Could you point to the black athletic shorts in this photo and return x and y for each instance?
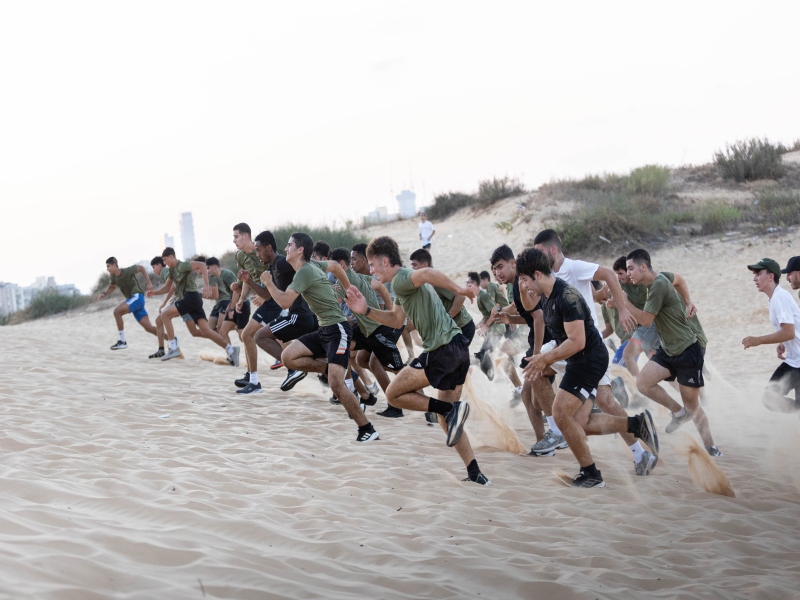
(241, 318)
(191, 304)
(787, 378)
(581, 380)
(687, 366)
(267, 312)
(446, 367)
(524, 363)
(220, 308)
(293, 326)
(383, 344)
(469, 330)
(331, 342)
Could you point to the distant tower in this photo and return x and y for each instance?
(187, 235)
(169, 241)
(407, 204)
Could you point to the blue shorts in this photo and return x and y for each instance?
(136, 306)
(617, 360)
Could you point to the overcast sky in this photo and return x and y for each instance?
(116, 117)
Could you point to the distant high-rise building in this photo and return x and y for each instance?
(187, 235)
(169, 241)
(407, 204)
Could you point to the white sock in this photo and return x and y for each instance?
(121, 336)
(553, 427)
(173, 344)
(229, 349)
(637, 451)
(254, 377)
(350, 385)
(681, 412)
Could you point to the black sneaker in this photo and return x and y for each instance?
(240, 383)
(323, 379)
(582, 480)
(333, 399)
(646, 431)
(487, 365)
(619, 392)
(714, 451)
(371, 401)
(480, 479)
(157, 354)
(455, 422)
(368, 435)
(431, 418)
(250, 388)
(292, 379)
(120, 345)
(391, 412)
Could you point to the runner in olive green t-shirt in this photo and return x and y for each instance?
(680, 355)
(125, 280)
(444, 364)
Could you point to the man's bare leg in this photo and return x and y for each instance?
(533, 410)
(647, 383)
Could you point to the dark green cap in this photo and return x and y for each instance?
(768, 264)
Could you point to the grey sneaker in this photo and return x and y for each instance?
(374, 389)
(234, 357)
(455, 422)
(516, 398)
(714, 451)
(645, 465)
(548, 445)
(120, 345)
(676, 422)
(172, 354)
(619, 392)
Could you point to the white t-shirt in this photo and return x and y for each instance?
(425, 231)
(579, 274)
(783, 309)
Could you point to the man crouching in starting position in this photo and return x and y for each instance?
(444, 364)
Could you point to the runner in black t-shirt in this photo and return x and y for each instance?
(569, 321)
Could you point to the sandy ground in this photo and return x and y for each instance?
(130, 478)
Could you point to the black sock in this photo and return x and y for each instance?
(161, 347)
(633, 424)
(367, 427)
(473, 469)
(439, 407)
(590, 470)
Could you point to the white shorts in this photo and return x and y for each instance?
(560, 367)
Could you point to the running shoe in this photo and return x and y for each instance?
(676, 422)
(323, 379)
(276, 365)
(391, 412)
(619, 392)
(374, 389)
(645, 465)
(487, 366)
(646, 431)
(714, 451)
(516, 398)
(172, 354)
(548, 445)
(333, 399)
(250, 388)
(480, 479)
(368, 435)
(455, 422)
(157, 354)
(292, 379)
(233, 359)
(582, 480)
(120, 345)
(240, 383)
(431, 418)
(371, 401)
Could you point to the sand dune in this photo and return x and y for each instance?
(126, 477)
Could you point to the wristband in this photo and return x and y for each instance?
(368, 309)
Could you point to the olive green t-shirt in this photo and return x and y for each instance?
(362, 284)
(496, 295)
(126, 281)
(252, 264)
(183, 277)
(664, 301)
(164, 274)
(446, 296)
(694, 322)
(510, 292)
(637, 294)
(312, 283)
(223, 283)
(486, 304)
(425, 309)
(611, 316)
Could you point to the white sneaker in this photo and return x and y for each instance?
(172, 354)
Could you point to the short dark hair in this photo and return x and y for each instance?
(168, 251)
(212, 262)
(422, 255)
(111, 260)
(503, 252)
(322, 249)
(304, 241)
(639, 257)
(621, 264)
(360, 249)
(473, 276)
(385, 246)
(157, 260)
(547, 237)
(531, 260)
(200, 258)
(340, 254)
(243, 228)
(265, 238)
(485, 275)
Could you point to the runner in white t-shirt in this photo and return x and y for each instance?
(426, 231)
(784, 315)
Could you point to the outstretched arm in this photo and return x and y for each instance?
(439, 279)
(683, 289)
(358, 304)
(284, 299)
(784, 334)
(143, 272)
(626, 318)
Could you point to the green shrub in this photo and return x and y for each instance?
(777, 207)
(102, 283)
(448, 203)
(718, 217)
(50, 302)
(651, 180)
(751, 159)
(494, 189)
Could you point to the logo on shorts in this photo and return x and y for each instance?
(691, 380)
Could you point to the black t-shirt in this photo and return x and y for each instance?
(283, 275)
(527, 315)
(564, 305)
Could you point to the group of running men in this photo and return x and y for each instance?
(340, 314)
